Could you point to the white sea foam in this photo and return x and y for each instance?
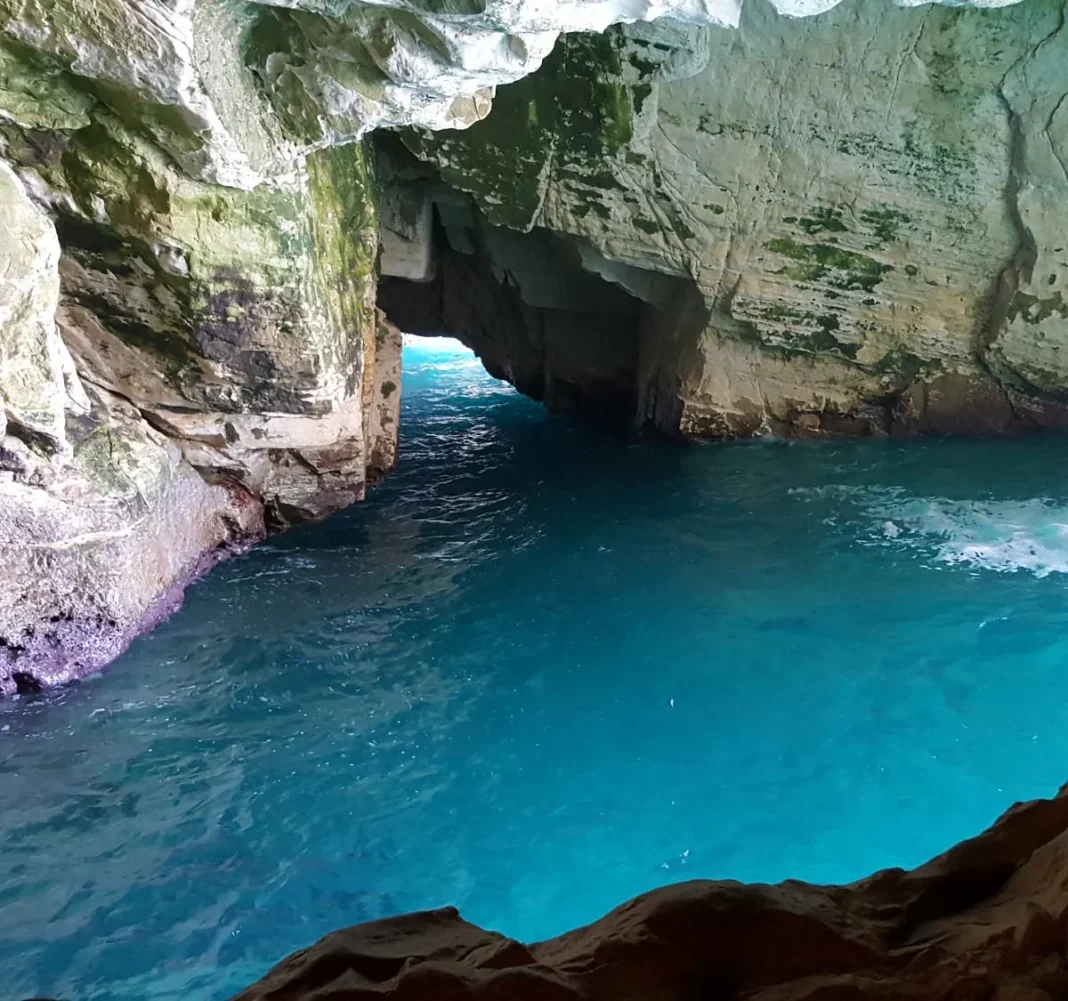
(1029, 535)
(1001, 535)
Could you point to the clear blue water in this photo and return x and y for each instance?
(541, 670)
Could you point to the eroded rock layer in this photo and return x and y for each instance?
(713, 219)
(987, 920)
(183, 364)
(852, 224)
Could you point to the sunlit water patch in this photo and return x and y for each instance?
(543, 669)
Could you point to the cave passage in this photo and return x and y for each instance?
(560, 334)
(549, 313)
(542, 669)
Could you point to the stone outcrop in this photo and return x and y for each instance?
(190, 353)
(988, 919)
(208, 367)
(714, 219)
(849, 224)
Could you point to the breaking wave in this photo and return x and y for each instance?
(1000, 535)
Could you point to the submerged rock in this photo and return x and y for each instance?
(988, 919)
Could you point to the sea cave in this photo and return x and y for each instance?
(534, 501)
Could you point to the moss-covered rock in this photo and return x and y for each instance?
(224, 329)
(861, 201)
(552, 128)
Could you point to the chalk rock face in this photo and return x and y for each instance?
(986, 920)
(97, 547)
(851, 223)
(718, 219)
(336, 68)
(235, 91)
(227, 343)
(142, 58)
(187, 355)
(100, 521)
(32, 356)
(333, 69)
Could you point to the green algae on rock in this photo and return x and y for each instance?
(859, 202)
(181, 357)
(715, 220)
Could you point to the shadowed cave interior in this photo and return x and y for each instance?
(543, 311)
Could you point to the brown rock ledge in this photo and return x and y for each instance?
(986, 920)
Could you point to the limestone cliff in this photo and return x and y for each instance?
(852, 224)
(715, 220)
(188, 352)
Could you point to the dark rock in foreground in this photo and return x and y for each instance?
(986, 920)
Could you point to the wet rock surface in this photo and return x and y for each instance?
(988, 919)
(183, 366)
(796, 218)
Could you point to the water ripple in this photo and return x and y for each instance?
(542, 669)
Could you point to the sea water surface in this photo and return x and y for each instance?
(542, 669)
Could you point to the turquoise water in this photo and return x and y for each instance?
(543, 669)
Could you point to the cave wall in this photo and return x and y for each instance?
(205, 364)
(715, 220)
(871, 206)
(187, 358)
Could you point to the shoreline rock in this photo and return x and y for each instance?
(87, 579)
(718, 220)
(850, 224)
(986, 920)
